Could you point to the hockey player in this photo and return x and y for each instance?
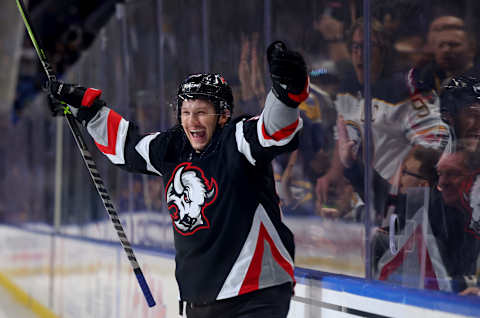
(234, 256)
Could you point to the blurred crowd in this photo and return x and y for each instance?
(64, 29)
(409, 71)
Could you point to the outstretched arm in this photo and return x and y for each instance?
(117, 138)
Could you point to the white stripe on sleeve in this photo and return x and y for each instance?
(242, 144)
(143, 148)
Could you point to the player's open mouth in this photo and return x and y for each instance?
(197, 134)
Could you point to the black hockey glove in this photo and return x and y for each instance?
(289, 74)
(86, 101)
(57, 108)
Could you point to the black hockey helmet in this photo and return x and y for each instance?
(460, 92)
(212, 87)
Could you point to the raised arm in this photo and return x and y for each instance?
(280, 118)
(262, 138)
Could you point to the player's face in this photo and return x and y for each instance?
(468, 126)
(452, 171)
(199, 121)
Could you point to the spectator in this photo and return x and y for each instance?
(402, 115)
(297, 173)
(319, 106)
(453, 209)
(343, 203)
(452, 170)
(439, 24)
(295, 189)
(451, 257)
(453, 50)
(252, 87)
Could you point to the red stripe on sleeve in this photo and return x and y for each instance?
(282, 133)
(90, 95)
(113, 122)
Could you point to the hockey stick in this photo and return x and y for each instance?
(90, 164)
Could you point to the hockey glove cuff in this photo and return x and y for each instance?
(289, 74)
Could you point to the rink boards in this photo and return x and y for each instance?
(67, 276)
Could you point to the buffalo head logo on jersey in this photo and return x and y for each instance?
(188, 193)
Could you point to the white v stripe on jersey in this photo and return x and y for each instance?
(238, 274)
(143, 149)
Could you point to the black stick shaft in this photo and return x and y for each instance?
(90, 164)
(108, 204)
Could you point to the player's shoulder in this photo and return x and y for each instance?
(232, 125)
(239, 125)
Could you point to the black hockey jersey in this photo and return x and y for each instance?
(229, 236)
